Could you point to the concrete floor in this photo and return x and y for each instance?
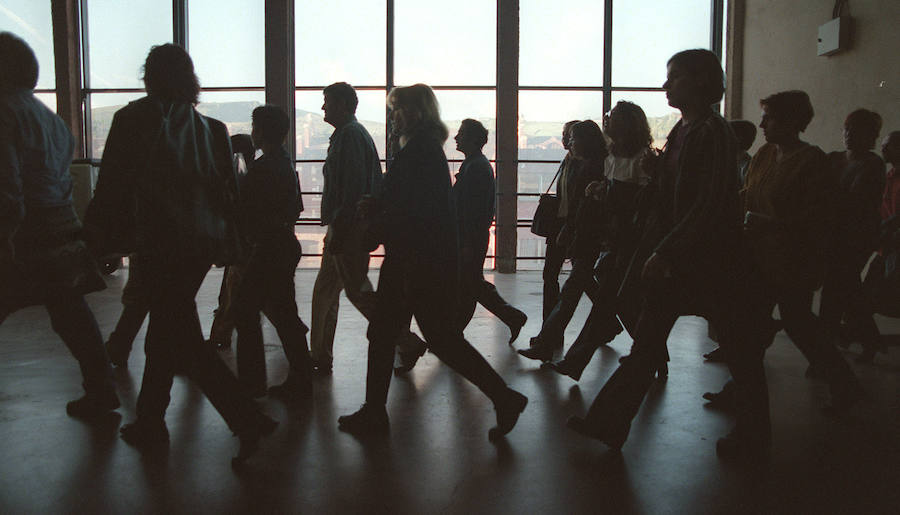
(437, 458)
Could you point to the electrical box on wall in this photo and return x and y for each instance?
(834, 36)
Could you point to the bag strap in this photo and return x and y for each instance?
(554, 179)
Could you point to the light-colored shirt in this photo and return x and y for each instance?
(625, 169)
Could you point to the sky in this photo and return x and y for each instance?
(435, 42)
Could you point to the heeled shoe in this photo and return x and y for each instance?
(613, 439)
(249, 439)
(508, 412)
(539, 350)
(93, 405)
(516, 326)
(563, 367)
(368, 420)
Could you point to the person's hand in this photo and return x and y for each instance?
(656, 268)
(594, 189)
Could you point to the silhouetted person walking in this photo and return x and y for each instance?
(270, 204)
(414, 220)
(43, 259)
(474, 196)
(167, 190)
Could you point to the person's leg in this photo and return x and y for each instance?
(248, 302)
(74, 322)
(487, 295)
(468, 296)
(121, 339)
(554, 257)
(325, 302)
(600, 328)
(223, 323)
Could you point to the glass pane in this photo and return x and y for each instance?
(542, 115)
(450, 45)
(103, 107)
(535, 178)
(340, 40)
(30, 20)
(311, 242)
(227, 42)
(530, 245)
(660, 116)
(121, 34)
(547, 57)
(640, 61)
(313, 132)
(458, 105)
(233, 108)
(49, 99)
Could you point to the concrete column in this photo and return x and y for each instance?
(280, 62)
(507, 133)
(67, 53)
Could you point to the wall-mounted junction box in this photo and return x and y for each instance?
(834, 36)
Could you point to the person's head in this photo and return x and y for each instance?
(694, 78)
(745, 132)
(340, 103)
(20, 67)
(861, 129)
(890, 148)
(415, 109)
(567, 133)
(471, 137)
(587, 141)
(628, 129)
(270, 126)
(169, 74)
(785, 115)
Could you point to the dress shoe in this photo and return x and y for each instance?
(539, 349)
(93, 405)
(564, 367)
(321, 368)
(516, 325)
(716, 356)
(725, 400)
(369, 420)
(508, 411)
(118, 355)
(409, 359)
(613, 439)
(295, 388)
(144, 434)
(250, 439)
(219, 343)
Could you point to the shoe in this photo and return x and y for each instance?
(716, 356)
(369, 420)
(725, 400)
(508, 412)
(117, 356)
(408, 360)
(516, 326)
(250, 439)
(662, 371)
(321, 368)
(613, 440)
(539, 350)
(563, 367)
(145, 434)
(294, 388)
(734, 447)
(93, 405)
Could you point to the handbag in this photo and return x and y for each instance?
(546, 220)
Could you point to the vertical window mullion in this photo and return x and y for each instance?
(607, 54)
(180, 23)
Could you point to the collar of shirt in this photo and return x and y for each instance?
(341, 128)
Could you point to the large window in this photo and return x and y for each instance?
(30, 20)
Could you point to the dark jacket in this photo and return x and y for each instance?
(415, 219)
(270, 196)
(473, 197)
(861, 187)
(167, 188)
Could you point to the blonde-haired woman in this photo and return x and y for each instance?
(414, 220)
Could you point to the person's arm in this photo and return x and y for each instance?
(352, 177)
(12, 201)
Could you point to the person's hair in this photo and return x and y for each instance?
(243, 144)
(477, 131)
(790, 107)
(169, 74)
(869, 122)
(20, 67)
(628, 130)
(343, 92)
(589, 133)
(419, 98)
(271, 123)
(706, 67)
(745, 131)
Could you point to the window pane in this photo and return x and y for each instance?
(49, 99)
(313, 132)
(530, 245)
(660, 116)
(227, 42)
(440, 44)
(121, 34)
(458, 105)
(30, 20)
(233, 108)
(535, 178)
(103, 107)
(639, 59)
(340, 40)
(547, 57)
(542, 115)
